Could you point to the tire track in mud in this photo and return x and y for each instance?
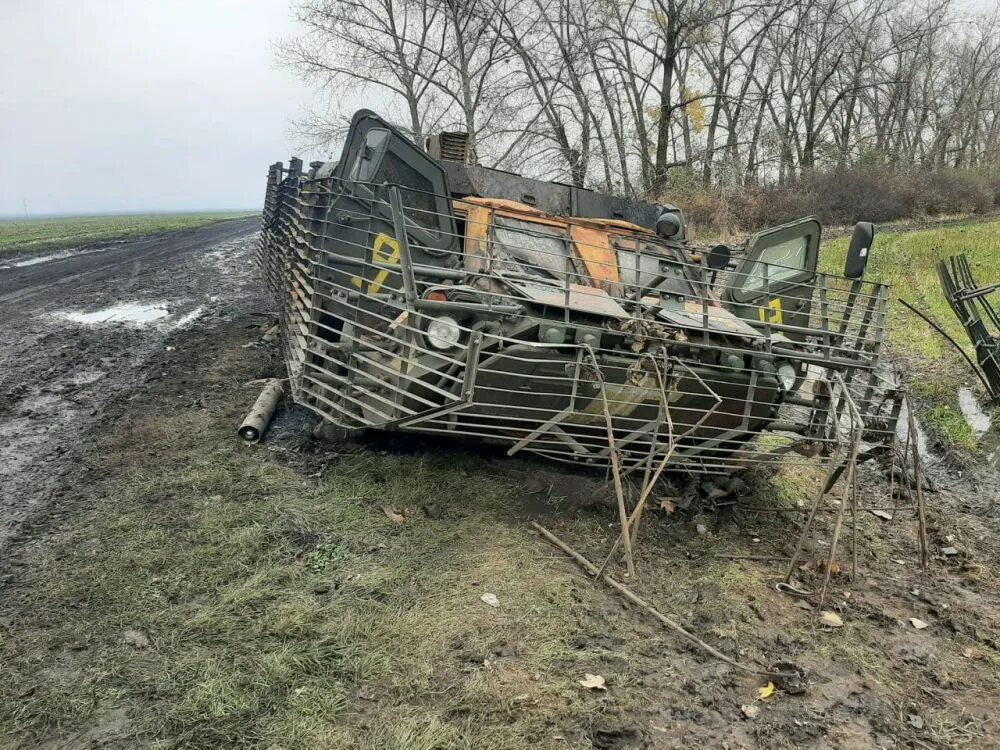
(79, 333)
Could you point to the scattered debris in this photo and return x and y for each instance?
(667, 505)
(918, 623)
(272, 333)
(393, 514)
(490, 599)
(593, 570)
(793, 680)
(750, 711)
(915, 721)
(949, 551)
(831, 619)
(765, 692)
(593, 682)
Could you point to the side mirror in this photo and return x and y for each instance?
(719, 257)
(860, 250)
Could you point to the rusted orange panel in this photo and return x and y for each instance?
(503, 203)
(477, 228)
(594, 247)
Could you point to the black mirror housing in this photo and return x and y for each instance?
(719, 257)
(860, 250)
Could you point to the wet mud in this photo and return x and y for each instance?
(78, 333)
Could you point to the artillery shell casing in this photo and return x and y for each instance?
(255, 423)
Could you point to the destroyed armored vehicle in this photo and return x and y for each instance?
(422, 293)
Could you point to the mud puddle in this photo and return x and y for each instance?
(34, 260)
(127, 312)
(137, 314)
(927, 454)
(72, 352)
(978, 420)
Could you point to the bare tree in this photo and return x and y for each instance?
(393, 46)
(638, 96)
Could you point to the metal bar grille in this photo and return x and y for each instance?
(971, 304)
(392, 322)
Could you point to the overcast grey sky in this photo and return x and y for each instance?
(132, 105)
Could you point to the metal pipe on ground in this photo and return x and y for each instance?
(256, 422)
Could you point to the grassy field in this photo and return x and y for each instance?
(31, 235)
(930, 365)
(287, 612)
(216, 595)
(208, 594)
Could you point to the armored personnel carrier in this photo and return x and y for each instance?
(422, 293)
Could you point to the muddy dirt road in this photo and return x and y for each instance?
(78, 331)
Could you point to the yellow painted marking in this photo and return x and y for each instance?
(775, 317)
(385, 249)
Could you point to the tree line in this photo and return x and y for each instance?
(633, 95)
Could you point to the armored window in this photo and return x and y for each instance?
(416, 190)
(523, 247)
(370, 155)
(778, 264)
(652, 268)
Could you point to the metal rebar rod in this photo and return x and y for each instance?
(590, 568)
(936, 327)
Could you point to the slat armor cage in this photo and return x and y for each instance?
(569, 337)
(970, 301)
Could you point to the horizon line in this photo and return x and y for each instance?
(17, 215)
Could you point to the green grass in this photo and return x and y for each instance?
(31, 235)
(288, 611)
(930, 365)
(279, 609)
(952, 424)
